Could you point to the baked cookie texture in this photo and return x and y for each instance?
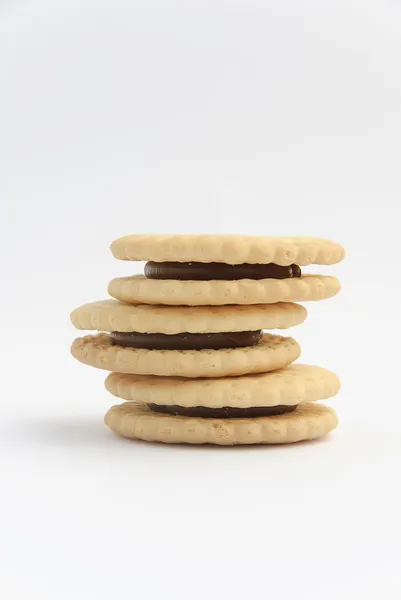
(111, 315)
(271, 352)
(231, 249)
(135, 420)
(291, 385)
(261, 375)
(216, 293)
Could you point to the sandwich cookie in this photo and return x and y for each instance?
(224, 269)
(186, 341)
(230, 410)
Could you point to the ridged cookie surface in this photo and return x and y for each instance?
(231, 249)
(272, 352)
(111, 315)
(291, 385)
(135, 420)
(216, 293)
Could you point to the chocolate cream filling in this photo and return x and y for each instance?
(186, 341)
(197, 271)
(226, 412)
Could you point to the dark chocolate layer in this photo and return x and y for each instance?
(226, 412)
(207, 271)
(186, 341)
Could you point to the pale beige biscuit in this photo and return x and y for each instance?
(231, 249)
(291, 385)
(272, 352)
(111, 315)
(243, 291)
(135, 420)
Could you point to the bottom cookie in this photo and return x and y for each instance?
(135, 420)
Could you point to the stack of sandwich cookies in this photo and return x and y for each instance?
(189, 354)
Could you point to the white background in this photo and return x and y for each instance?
(268, 117)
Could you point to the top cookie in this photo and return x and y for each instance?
(230, 249)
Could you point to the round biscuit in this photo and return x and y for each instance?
(231, 249)
(112, 315)
(291, 385)
(216, 293)
(135, 420)
(272, 352)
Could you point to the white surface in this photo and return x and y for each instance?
(251, 117)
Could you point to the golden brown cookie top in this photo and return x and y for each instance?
(289, 386)
(228, 248)
(112, 315)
